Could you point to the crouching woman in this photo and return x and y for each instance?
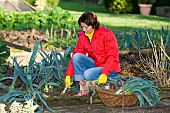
(96, 55)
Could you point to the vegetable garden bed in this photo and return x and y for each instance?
(67, 102)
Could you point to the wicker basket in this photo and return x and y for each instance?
(109, 98)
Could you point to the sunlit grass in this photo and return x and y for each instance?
(117, 22)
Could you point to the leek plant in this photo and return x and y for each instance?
(35, 76)
(137, 39)
(146, 91)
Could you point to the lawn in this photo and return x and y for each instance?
(116, 22)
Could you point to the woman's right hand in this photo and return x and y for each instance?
(67, 81)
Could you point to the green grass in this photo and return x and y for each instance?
(80, 7)
(116, 22)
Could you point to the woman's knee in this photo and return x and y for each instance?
(87, 75)
(76, 56)
(90, 75)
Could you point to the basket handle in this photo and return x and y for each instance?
(122, 83)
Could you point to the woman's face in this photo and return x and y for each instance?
(87, 29)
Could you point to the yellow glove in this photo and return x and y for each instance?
(102, 79)
(67, 81)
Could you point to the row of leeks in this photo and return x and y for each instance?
(145, 90)
(35, 76)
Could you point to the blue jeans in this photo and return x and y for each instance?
(85, 68)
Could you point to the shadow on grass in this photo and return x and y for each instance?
(82, 7)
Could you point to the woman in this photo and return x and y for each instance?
(96, 55)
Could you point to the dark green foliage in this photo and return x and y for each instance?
(162, 3)
(135, 7)
(146, 1)
(4, 54)
(106, 3)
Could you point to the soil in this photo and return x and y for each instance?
(21, 39)
(68, 103)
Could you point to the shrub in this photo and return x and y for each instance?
(118, 6)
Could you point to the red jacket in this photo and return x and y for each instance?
(103, 49)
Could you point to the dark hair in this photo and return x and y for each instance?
(89, 18)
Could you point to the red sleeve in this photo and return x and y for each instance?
(78, 49)
(111, 47)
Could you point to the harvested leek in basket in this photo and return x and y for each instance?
(145, 90)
